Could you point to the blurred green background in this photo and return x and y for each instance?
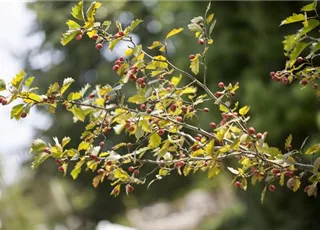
(247, 46)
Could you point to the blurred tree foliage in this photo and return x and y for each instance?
(247, 47)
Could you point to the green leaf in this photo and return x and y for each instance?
(244, 110)
(78, 113)
(288, 142)
(316, 165)
(134, 24)
(68, 36)
(77, 169)
(263, 194)
(29, 81)
(113, 43)
(83, 146)
(74, 96)
(2, 85)
(189, 90)
(154, 141)
(16, 111)
(73, 25)
(176, 80)
(77, 11)
(137, 99)
(39, 159)
(34, 97)
(310, 7)
(293, 18)
(212, 27)
(155, 44)
(121, 174)
(16, 81)
(37, 146)
(223, 108)
(313, 149)
(65, 141)
(66, 83)
(174, 32)
(209, 148)
(209, 18)
(194, 66)
(92, 10)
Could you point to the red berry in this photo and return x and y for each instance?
(131, 77)
(91, 95)
(127, 125)
(129, 145)
(213, 125)
(23, 115)
(1, 98)
(134, 71)
(107, 129)
(233, 94)
(109, 163)
(304, 82)
(99, 46)
(95, 37)
(140, 80)
(200, 41)
(131, 169)
(173, 107)
(275, 171)
(101, 144)
(4, 102)
(121, 33)
(272, 188)
(315, 86)
(254, 170)
(58, 161)
(300, 59)
(218, 94)
(131, 129)
(191, 56)
(284, 80)
(272, 74)
(251, 130)
(259, 135)
(115, 67)
(100, 171)
(221, 85)
(195, 147)
(143, 107)
(116, 36)
(179, 164)
(198, 138)
(121, 59)
(136, 172)
(117, 62)
(205, 110)
(289, 174)
(130, 188)
(149, 111)
(161, 132)
(61, 169)
(79, 37)
(238, 184)
(179, 118)
(143, 85)
(278, 174)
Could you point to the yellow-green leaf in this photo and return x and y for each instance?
(16, 81)
(154, 141)
(176, 80)
(137, 99)
(244, 110)
(293, 18)
(16, 111)
(155, 44)
(174, 32)
(28, 82)
(209, 18)
(121, 174)
(310, 7)
(78, 113)
(194, 66)
(313, 149)
(77, 11)
(2, 85)
(92, 10)
(223, 108)
(83, 146)
(73, 25)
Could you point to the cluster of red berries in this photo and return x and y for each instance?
(132, 73)
(143, 107)
(128, 126)
(118, 63)
(140, 81)
(136, 172)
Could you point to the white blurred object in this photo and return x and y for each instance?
(106, 225)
